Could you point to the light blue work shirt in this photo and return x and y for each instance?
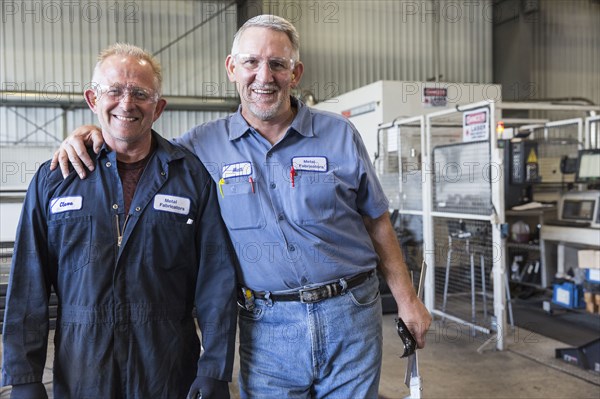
(292, 232)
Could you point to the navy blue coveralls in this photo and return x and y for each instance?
(125, 327)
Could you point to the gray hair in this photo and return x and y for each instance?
(135, 52)
(270, 22)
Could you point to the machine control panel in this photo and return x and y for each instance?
(580, 207)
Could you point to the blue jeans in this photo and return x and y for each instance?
(329, 349)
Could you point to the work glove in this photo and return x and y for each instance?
(34, 390)
(209, 388)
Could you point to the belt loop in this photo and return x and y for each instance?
(344, 285)
(268, 299)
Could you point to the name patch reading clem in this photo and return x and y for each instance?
(63, 204)
(171, 203)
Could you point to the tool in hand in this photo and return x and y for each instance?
(409, 342)
(412, 378)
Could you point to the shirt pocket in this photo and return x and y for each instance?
(241, 205)
(70, 239)
(313, 197)
(169, 242)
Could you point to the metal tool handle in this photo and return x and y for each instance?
(409, 342)
(422, 280)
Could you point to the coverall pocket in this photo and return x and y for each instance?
(313, 198)
(169, 244)
(71, 240)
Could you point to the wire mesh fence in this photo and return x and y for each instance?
(463, 265)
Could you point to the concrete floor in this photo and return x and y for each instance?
(452, 367)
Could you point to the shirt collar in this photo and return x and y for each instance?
(165, 152)
(302, 123)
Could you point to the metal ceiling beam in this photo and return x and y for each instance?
(201, 24)
(75, 100)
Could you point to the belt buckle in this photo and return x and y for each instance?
(311, 295)
(317, 294)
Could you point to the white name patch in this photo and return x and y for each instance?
(171, 203)
(63, 204)
(239, 169)
(311, 164)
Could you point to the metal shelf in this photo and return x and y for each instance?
(523, 246)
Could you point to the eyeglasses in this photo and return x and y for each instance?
(117, 92)
(253, 63)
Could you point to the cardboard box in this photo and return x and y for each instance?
(590, 302)
(588, 259)
(568, 295)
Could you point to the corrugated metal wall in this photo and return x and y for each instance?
(566, 49)
(348, 44)
(52, 46)
(345, 45)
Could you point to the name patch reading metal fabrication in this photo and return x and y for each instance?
(171, 203)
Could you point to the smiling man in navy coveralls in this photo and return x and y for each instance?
(130, 252)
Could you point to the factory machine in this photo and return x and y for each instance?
(384, 101)
(396, 154)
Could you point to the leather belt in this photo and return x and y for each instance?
(316, 294)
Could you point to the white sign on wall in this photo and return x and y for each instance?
(435, 97)
(476, 125)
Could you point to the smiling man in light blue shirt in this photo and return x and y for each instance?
(295, 231)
